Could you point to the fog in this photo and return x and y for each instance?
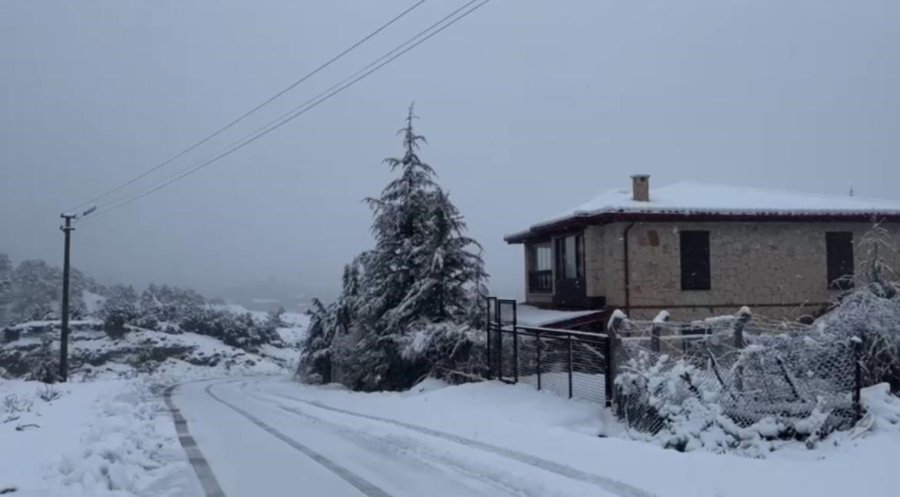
(530, 107)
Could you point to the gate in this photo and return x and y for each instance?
(568, 362)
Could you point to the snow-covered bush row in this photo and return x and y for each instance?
(31, 292)
(408, 304)
(174, 310)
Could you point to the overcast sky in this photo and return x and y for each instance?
(530, 107)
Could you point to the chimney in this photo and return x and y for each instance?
(640, 186)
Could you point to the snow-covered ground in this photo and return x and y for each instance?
(267, 435)
(101, 438)
(492, 439)
(108, 432)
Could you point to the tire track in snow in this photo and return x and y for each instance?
(208, 480)
(507, 483)
(360, 483)
(610, 485)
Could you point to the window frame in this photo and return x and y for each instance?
(540, 280)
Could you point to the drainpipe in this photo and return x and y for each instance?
(627, 269)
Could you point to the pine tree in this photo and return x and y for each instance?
(406, 305)
(316, 360)
(401, 228)
(445, 290)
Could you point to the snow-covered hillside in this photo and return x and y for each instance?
(93, 353)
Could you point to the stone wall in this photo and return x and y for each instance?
(777, 269)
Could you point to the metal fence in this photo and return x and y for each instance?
(568, 363)
(749, 368)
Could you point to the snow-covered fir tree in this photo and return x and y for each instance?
(423, 266)
(424, 277)
(449, 268)
(401, 226)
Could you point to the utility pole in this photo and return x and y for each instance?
(64, 337)
(67, 230)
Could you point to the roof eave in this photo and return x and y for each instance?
(581, 221)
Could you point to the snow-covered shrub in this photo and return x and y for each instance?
(43, 364)
(49, 393)
(118, 310)
(450, 351)
(675, 402)
(237, 330)
(870, 313)
(167, 303)
(779, 387)
(873, 318)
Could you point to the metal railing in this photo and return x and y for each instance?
(567, 362)
(540, 281)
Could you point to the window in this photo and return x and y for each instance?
(839, 254)
(695, 260)
(570, 253)
(540, 268)
(571, 258)
(541, 258)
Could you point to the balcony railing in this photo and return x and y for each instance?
(540, 282)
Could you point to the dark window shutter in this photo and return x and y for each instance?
(695, 274)
(839, 255)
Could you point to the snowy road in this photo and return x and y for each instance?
(262, 439)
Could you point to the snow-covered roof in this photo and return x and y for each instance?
(698, 198)
(528, 315)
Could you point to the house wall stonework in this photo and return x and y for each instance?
(778, 269)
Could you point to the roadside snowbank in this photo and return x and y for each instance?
(557, 429)
(94, 439)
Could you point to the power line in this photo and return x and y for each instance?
(328, 94)
(287, 114)
(254, 109)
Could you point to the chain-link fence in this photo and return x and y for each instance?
(738, 372)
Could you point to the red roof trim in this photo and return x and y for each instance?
(612, 217)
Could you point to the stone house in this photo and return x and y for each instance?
(699, 250)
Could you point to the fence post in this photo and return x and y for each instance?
(857, 377)
(612, 334)
(515, 355)
(487, 328)
(515, 325)
(537, 338)
(743, 317)
(571, 368)
(656, 329)
(498, 324)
